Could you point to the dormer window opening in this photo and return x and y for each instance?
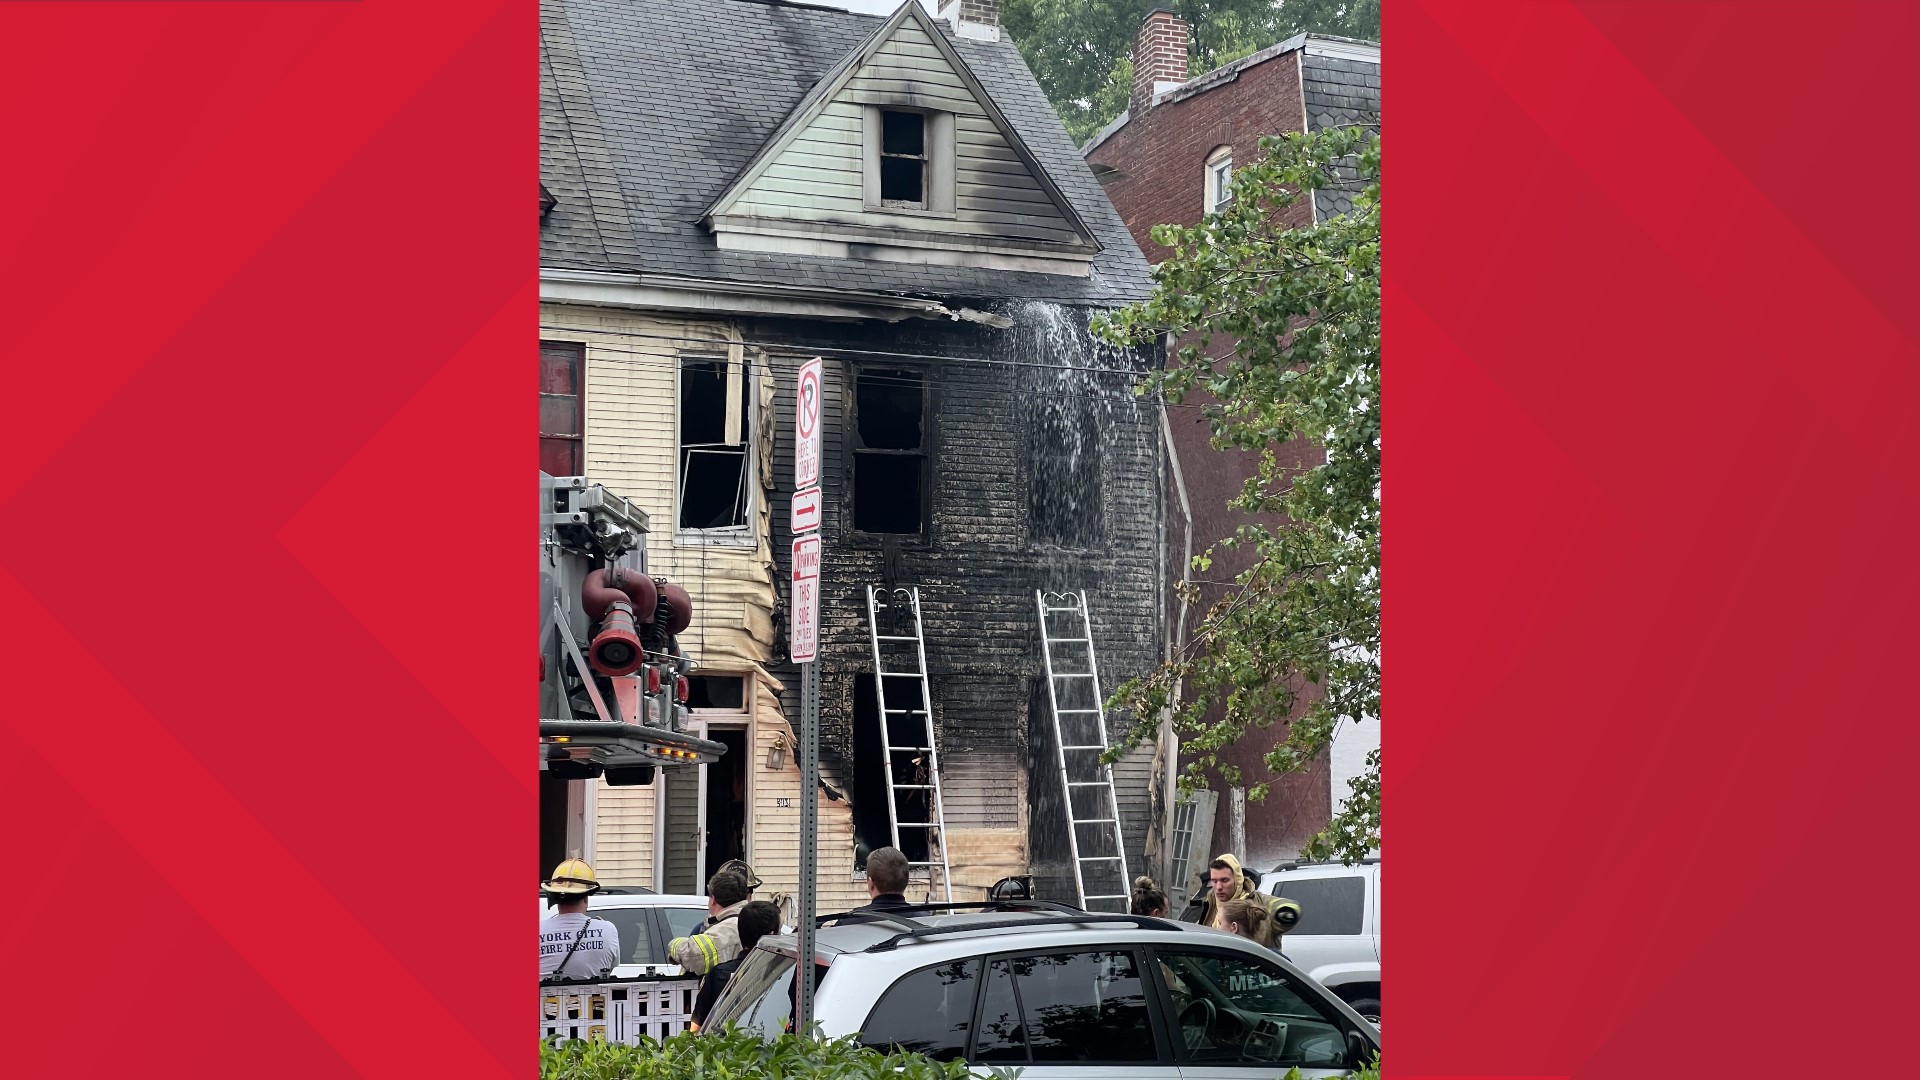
(903, 159)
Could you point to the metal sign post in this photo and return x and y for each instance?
(804, 646)
(809, 834)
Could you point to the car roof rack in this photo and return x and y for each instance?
(903, 913)
(1296, 864)
(1074, 917)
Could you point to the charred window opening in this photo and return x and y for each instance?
(562, 411)
(1064, 499)
(871, 827)
(890, 465)
(723, 693)
(714, 428)
(903, 159)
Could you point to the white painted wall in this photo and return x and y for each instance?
(1347, 757)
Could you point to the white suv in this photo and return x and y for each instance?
(1337, 940)
(1055, 992)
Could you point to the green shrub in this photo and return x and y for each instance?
(740, 1055)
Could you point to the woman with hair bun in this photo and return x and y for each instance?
(1250, 920)
(1148, 898)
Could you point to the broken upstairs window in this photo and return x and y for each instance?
(714, 433)
(890, 472)
(903, 159)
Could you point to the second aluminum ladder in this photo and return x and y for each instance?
(1079, 739)
(921, 760)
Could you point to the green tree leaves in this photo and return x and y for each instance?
(1302, 308)
(1082, 50)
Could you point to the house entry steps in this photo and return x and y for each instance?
(893, 624)
(1076, 708)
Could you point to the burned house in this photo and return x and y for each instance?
(731, 188)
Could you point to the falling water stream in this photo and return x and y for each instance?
(1077, 400)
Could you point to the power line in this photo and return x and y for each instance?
(818, 350)
(765, 368)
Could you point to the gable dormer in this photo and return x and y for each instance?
(899, 154)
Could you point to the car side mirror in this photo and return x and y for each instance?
(1359, 1051)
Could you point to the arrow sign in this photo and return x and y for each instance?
(806, 511)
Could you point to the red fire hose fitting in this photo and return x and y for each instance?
(616, 648)
(606, 587)
(612, 597)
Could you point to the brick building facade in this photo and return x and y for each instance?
(1156, 162)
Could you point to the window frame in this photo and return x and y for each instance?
(736, 717)
(937, 143)
(1166, 1051)
(744, 535)
(579, 439)
(1213, 195)
(856, 447)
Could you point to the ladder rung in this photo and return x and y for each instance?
(909, 749)
(1063, 712)
(917, 825)
(893, 637)
(909, 712)
(1073, 674)
(1097, 821)
(1109, 897)
(1086, 783)
(1099, 858)
(903, 674)
(1093, 747)
(915, 787)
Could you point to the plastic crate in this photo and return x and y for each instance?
(616, 1010)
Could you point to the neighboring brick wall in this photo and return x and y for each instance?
(1161, 152)
(1161, 155)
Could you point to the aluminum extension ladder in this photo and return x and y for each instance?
(1086, 780)
(922, 759)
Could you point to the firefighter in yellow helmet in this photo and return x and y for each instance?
(574, 944)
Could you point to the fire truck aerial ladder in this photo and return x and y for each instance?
(613, 678)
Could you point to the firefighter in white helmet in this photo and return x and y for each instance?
(574, 944)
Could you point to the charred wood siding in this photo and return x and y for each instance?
(980, 562)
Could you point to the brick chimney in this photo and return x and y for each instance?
(1159, 58)
(976, 20)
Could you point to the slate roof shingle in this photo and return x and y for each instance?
(650, 108)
